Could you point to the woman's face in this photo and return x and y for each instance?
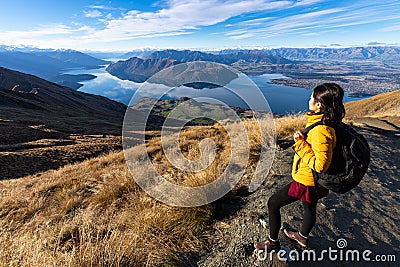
(313, 105)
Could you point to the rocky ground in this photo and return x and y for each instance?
(366, 218)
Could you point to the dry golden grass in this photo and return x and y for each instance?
(189, 144)
(288, 125)
(381, 105)
(380, 111)
(93, 213)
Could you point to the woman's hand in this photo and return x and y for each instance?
(298, 136)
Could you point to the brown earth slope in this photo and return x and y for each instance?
(27, 101)
(380, 111)
(44, 125)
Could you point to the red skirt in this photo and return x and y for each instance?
(305, 193)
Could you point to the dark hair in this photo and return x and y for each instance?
(330, 95)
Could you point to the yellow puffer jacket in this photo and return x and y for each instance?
(313, 153)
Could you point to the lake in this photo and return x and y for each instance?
(281, 99)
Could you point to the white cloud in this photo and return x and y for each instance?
(279, 26)
(102, 7)
(252, 22)
(180, 17)
(55, 29)
(315, 23)
(242, 36)
(57, 34)
(93, 13)
(393, 28)
(307, 2)
(98, 7)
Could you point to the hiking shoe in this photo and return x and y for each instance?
(296, 236)
(267, 244)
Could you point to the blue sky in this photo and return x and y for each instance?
(198, 24)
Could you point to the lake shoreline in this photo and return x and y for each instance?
(282, 99)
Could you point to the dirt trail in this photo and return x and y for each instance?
(366, 217)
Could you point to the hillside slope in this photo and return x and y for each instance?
(366, 217)
(387, 104)
(29, 100)
(94, 214)
(381, 111)
(44, 125)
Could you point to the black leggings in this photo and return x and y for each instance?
(280, 199)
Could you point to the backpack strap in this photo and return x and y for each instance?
(314, 173)
(333, 125)
(306, 130)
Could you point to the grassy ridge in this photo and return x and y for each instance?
(93, 213)
(382, 105)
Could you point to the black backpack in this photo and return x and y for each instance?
(350, 159)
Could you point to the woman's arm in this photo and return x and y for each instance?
(317, 152)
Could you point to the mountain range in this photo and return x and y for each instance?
(305, 63)
(389, 53)
(142, 66)
(48, 64)
(381, 53)
(139, 70)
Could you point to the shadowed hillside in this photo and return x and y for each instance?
(44, 125)
(31, 101)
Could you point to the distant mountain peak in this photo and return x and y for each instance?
(47, 63)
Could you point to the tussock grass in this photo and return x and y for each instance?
(189, 144)
(94, 214)
(288, 125)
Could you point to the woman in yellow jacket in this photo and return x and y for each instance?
(313, 151)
